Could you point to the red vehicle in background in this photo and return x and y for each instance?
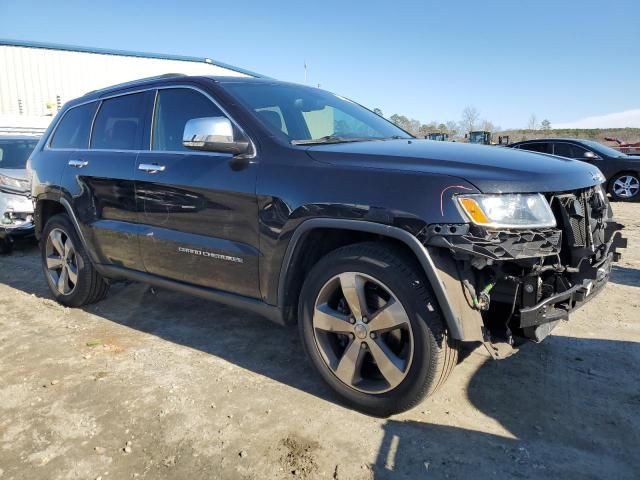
(628, 148)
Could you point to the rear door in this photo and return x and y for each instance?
(100, 181)
(198, 209)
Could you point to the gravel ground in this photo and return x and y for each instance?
(153, 384)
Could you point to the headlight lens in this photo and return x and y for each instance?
(510, 210)
(13, 183)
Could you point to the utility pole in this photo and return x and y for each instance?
(305, 72)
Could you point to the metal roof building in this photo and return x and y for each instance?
(37, 78)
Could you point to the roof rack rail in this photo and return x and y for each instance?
(133, 83)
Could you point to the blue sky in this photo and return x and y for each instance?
(562, 60)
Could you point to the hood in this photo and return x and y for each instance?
(490, 169)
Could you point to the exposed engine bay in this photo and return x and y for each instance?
(523, 282)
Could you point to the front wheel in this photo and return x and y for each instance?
(625, 187)
(372, 329)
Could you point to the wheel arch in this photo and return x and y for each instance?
(304, 250)
(47, 207)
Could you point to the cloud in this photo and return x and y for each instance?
(628, 118)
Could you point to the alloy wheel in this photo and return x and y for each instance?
(363, 332)
(626, 186)
(61, 261)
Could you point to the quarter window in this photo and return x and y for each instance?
(73, 130)
(174, 107)
(119, 123)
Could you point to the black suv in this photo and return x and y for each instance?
(389, 252)
(621, 171)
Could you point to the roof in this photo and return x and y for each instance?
(167, 77)
(124, 53)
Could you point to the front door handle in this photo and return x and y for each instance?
(78, 163)
(151, 167)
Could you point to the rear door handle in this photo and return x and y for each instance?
(78, 163)
(151, 167)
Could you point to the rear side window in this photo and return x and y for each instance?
(119, 123)
(73, 130)
(174, 107)
(537, 147)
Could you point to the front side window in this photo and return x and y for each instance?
(539, 147)
(174, 107)
(14, 153)
(73, 130)
(119, 123)
(568, 150)
(302, 115)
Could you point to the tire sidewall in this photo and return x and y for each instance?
(424, 324)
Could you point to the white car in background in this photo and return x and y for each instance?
(16, 208)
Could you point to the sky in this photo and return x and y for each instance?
(561, 60)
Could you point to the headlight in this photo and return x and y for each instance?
(510, 210)
(13, 183)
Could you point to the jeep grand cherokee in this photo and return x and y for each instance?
(389, 252)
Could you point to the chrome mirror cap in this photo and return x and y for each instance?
(214, 134)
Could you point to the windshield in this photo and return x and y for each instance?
(14, 153)
(602, 149)
(305, 115)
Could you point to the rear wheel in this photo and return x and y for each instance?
(372, 329)
(71, 277)
(625, 187)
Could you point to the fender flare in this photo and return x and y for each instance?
(453, 320)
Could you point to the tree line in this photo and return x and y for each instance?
(470, 121)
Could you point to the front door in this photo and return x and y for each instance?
(198, 209)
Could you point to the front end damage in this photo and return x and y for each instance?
(513, 284)
(16, 215)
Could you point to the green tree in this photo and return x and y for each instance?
(377, 111)
(546, 124)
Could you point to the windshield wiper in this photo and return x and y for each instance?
(332, 139)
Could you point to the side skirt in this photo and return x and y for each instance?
(254, 305)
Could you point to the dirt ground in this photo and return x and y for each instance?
(154, 385)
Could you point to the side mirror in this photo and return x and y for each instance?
(213, 134)
(590, 156)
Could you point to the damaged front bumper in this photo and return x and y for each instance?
(16, 215)
(522, 283)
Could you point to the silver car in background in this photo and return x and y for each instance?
(16, 208)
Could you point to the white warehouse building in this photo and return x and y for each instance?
(36, 79)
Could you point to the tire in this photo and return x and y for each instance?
(625, 187)
(396, 292)
(61, 249)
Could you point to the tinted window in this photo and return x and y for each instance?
(174, 108)
(568, 150)
(14, 153)
(119, 123)
(73, 130)
(539, 147)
